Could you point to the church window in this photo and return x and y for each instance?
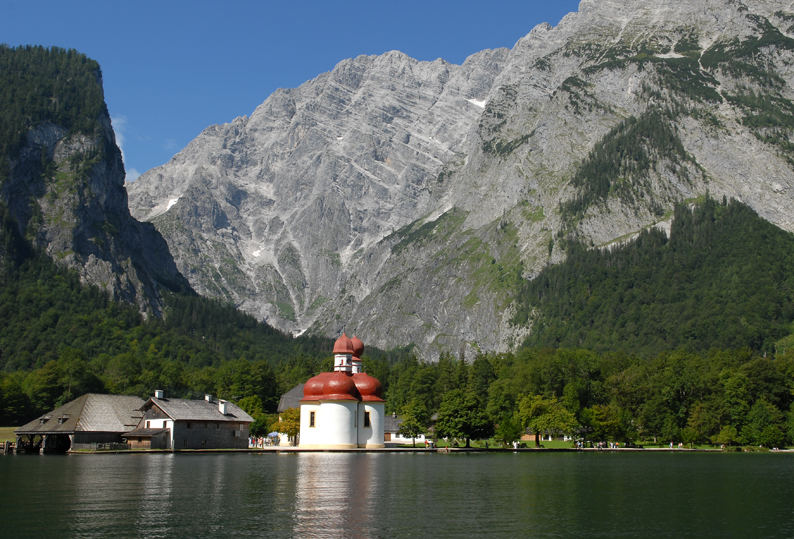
(311, 419)
(366, 419)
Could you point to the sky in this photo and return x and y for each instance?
(171, 68)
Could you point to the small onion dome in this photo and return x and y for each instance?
(331, 386)
(369, 387)
(343, 345)
(358, 346)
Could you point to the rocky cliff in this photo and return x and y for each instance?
(405, 200)
(62, 178)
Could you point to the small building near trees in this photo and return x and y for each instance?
(84, 423)
(190, 424)
(392, 436)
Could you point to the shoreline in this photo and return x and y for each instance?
(443, 450)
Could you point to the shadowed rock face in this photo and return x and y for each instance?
(404, 200)
(66, 193)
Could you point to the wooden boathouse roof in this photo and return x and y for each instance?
(92, 412)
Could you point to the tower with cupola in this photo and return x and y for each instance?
(344, 408)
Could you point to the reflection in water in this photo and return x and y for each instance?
(336, 494)
(155, 495)
(396, 495)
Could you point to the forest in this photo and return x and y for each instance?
(721, 279)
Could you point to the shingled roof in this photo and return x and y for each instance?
(291, 399)
(198, 410)
(91, 412)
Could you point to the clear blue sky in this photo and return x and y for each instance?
(173, 67)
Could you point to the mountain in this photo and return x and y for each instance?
(410, 201)
(62, 179)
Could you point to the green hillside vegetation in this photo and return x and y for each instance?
(618, 165)
(40, 85)
(722, 280)
(718, 397)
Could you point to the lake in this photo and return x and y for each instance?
(398, 495)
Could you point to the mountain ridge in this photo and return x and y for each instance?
(406, 200)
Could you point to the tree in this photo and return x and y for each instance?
(461, 415)
(545, 415)
(414, 420)
(252, 405)
(481, 375)
(790, 424)
(288, 422)
(728, 435)
(508, 430)
(702, 424)
(15, 407)
(764, 425)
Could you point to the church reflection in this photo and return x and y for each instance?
(336, 494)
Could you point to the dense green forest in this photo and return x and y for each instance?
(39, 85)
(720, 396)
(721, 280)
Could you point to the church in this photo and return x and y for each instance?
(343, 409)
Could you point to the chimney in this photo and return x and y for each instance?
(207, 397)
(159, 394)
(222, 406)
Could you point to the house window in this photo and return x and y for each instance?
(366, 419)
(311, 419)
(148, 424)
(188, 424)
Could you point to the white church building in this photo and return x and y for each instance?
(343, 409)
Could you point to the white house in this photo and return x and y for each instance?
(392, 436)
(190, 424)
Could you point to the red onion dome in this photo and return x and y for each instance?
(358, 346)
(331, 386)
(368, 386)
(343, 345)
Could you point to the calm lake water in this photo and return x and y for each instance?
(398, 495)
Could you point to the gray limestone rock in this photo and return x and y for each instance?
(77, 212)
(404, 200)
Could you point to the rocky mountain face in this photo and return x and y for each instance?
(63, 187)
(404, 201)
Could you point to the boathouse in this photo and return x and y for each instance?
(84, 423)
(190, 424)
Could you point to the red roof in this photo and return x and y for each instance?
(369, 387)
(358, 346)
(338, 385)
(331, 386)
(343, 345)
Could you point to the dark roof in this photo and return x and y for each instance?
(91, 412)
(143, 433)
(198, 410)
(391, 423)
(291, 399)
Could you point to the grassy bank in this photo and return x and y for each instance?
(7, 434)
